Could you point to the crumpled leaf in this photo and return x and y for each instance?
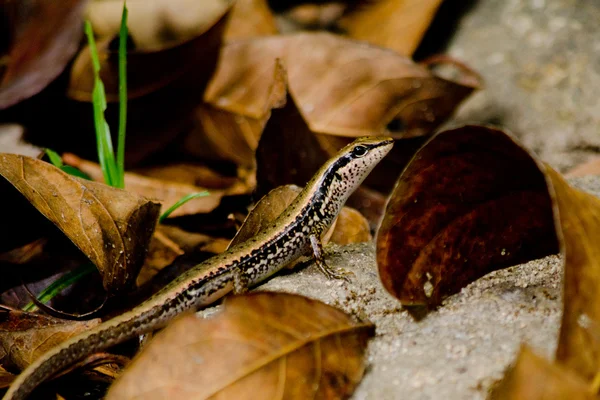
(310, 16)
(110, 226)
(225, 135)
(24, 254)
(43, 36)
(266, 210)
(167, 244)
(165, 85)
(396, 24)
(579, 228)
(289, 153)
(350, 227)
(342, 87)
(534, 378)
(155, 24)
(6, 378)
(189, 173)
(471, 201)
(250, 18)
(181, 66)
(25, 336)
(591, 167)
(168, 192)
(278, 345)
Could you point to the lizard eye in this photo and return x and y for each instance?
(359, 151)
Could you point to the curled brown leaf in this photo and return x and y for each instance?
(342, 87)
(110, 226)
(167, 192)
(183, 66)
(6, 378)
(43, 36)
(578, 221)
(471, 201)
(396, 24)
(275, 344)
(250, 18)
(155, 24)
(227, 135)
(26, 336)
(534, 378)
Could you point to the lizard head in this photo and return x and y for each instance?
(355, 161)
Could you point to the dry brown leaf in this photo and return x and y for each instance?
(6, 378)
(534, 378)
(579, 228)
(110, 226)
(25, 336)
(250, 18)
(289, 153)
(471, 201)
(225, 135)
(24, 254)
(350, 227)
(181, 66)
(396, 24)
(155, 24)
(268, 208)
(313, 16)
(342, 87)
(168, 243)
(592, 167)
(43, 37)
(165, 85)
(189, 173)
(278, 345)
(167, 192)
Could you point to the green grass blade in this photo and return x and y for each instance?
(104, 146)
(60, 284)
(75, 172)
(181, 202)
(55, 159)
(122, 96)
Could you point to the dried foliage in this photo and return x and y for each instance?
(471, 201)
(534, 378)
(25, 336)
(43, 36)
(110, 226)
(280, 345)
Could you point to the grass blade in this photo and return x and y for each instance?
(122, 96)
(55, 159)
(106, 154)
(60, 284)
(181, 202)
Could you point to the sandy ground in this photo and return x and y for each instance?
(459, 349)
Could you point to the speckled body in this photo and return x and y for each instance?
(253, 261)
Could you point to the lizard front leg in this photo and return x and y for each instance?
(317, 249)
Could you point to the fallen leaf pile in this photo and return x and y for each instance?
(220, 100)
(284, 345)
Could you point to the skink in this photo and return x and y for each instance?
(294, 233)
